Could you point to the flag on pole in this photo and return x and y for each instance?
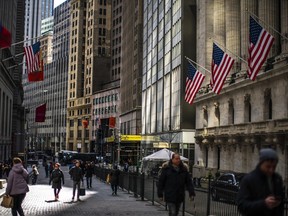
(40, 113)
(260, 44)
(221, 66)
(5, 37)
(34, 62)
(194, 81)
(85, 123)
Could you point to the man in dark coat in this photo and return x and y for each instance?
(261, 191)
(76, 174)
(173, 181)
(88, 174)
(114, 180)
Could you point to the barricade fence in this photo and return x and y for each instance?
(207, 201)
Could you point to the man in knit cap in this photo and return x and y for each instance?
(261, 191)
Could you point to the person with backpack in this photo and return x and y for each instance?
(34, 174)
(57, 179)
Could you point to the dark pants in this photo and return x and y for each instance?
(34, 179)
(89, 182)
(56, 191)
(173, 208)
(76, 184)
(114, 188)
(18, 199)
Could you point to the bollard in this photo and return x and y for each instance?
(142, 186)
(208, 196)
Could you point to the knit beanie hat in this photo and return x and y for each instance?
(267, 154)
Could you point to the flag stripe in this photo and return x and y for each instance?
(193, 85)
(260, 44)
(221, 71)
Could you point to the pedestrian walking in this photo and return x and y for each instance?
(57, 179)
(261, 191)
(114, 179)
(51, 168)
(88, 174)
(173, 181)
(77, 177)
(34, 174)
(46, 167)
(17, 186)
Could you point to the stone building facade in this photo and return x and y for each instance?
(248, 115)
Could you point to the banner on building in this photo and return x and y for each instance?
(112, 122)
(40, 113)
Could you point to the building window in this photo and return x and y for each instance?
(247, 108)
(79, 122)
(79, 134)
(230, 111)
(71, 123)
(267, 104)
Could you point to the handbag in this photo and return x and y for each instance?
(108, 178)
(82, 191)
(7, 201)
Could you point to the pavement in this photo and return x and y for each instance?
(97, 201)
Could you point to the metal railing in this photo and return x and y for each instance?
(206, 202)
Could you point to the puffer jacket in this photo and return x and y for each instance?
(17, 180)
(173, 183)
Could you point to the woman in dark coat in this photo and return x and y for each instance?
(56, 178)
(114, 180)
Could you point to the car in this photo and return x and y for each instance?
(226, 187)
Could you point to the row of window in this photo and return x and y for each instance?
(105, 110)
(105, 99)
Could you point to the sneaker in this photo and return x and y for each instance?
(72, 199)
(79, 200)
(113, 194)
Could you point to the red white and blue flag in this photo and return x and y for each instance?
(260, 44)
(194, 81)
(34, 62)
(5, 37)
(221, 66)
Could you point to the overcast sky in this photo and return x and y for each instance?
(58, 2)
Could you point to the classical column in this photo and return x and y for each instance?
(232, 22)
(269, 12)
(284, 25)
(219, 21)
(246, 5)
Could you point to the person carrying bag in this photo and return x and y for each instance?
(7, 201)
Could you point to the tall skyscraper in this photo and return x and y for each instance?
(47, 7)
(89, 65)
(167, 37)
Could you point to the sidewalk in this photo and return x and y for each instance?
(98, 201)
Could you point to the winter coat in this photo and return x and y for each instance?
(173, 183)
(89, 171)
(114, 177)
(76, 174)
(17, 180)
(56, 177)
(254, 189)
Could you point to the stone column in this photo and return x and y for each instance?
(284, 25)
(250, 5)
(209, 16)
(232, 22)
(269, 12)
(219, 21)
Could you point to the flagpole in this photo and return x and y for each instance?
(275, 30)
(229, 50)
(15, 66)
(197, 64)
(19, 54)
(21, 42)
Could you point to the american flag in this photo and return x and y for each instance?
(194, 81)
(33, 60)
(260, 44)
(221, 66)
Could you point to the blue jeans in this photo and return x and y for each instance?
(173, 208)
(17, 202)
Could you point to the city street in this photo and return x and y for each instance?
(98, 201)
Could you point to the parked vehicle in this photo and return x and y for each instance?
(226, 187)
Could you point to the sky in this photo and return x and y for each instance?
(58, 2)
